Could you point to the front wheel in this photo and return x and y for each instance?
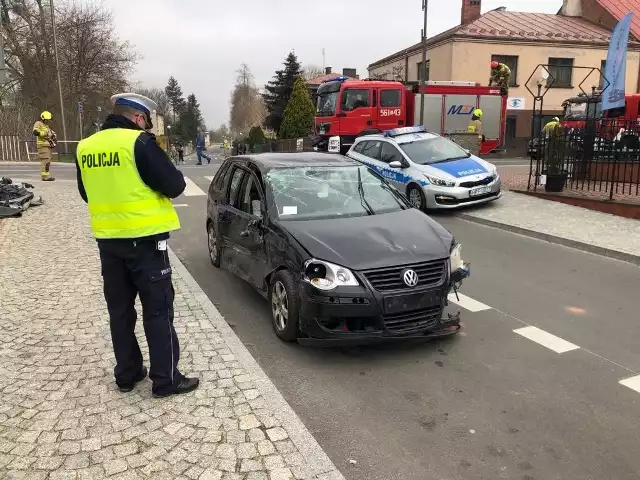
(214, 245)
(416, 197)
(283, 300)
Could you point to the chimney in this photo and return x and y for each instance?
(571, 8)
(327, 70)
(349, 72)
(470, 11)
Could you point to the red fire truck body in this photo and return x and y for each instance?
(578, 109)
(348, 108)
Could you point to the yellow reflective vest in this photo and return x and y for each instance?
(121, 205)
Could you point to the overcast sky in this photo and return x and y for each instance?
(203, 42)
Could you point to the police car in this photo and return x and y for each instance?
(433, 172)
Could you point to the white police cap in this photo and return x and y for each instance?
(134, 100)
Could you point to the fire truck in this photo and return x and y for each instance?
(347, 108)
(579, 109)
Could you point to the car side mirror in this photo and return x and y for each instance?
(396, 164)
(253, 225)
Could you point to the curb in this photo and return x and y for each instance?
(316, 458)
(34, 162)
(585, 247)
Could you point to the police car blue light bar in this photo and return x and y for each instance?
(339, 79)
(405, 130)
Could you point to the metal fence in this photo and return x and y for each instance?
(12, 149)
(284, 145)
(603, 157)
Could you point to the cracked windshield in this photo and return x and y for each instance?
(297, 240)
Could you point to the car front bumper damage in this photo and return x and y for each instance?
(349, 316)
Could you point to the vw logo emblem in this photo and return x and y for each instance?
(410, 278)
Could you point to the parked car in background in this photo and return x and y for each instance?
(339, 253)
(433, 171)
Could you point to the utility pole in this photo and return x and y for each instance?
(3, 68)
(423, 67)
(55, 49)
(323, 62)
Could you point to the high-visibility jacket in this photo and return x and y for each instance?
(42, 131)
(121, 205)
(552, 129)
(475, 126)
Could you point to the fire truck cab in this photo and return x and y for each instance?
(346, 109)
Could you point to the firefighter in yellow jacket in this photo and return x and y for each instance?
(45, 143)
(127, 181)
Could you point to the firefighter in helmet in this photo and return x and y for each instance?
(475, 125)
(500, 75)
(45, 143)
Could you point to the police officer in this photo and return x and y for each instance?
(127, 181)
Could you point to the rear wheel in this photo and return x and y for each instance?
(283, 300)
(416, 197)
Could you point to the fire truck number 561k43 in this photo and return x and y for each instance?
(390, 112)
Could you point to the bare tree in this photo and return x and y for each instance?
(247, 106)
(94, 63)
(311, 71)
(159, 96)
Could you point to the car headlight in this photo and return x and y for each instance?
(440, 182)
(327, 276)
(455, 261)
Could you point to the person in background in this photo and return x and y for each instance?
(127, 180)
(501, 76)
(180, 150)
(475, 125)
(45, 143)
(201, 148)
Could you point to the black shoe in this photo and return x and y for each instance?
(199, 163)
(128, 387)
(187, 385)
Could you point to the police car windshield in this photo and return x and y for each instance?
(312, 193)
(430, 150)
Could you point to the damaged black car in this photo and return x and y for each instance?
(340, 254)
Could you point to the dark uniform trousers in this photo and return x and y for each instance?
(138, 268)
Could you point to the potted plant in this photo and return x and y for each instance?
(556, 174)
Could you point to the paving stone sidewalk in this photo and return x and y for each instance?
(605, 232)
(61, 416)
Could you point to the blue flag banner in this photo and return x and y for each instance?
(616, 67)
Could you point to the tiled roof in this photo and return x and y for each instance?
(619, 8)
(519, 26)
(323, 78)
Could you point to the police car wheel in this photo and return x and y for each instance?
(416, 197)
(214, 245)
(283, 300)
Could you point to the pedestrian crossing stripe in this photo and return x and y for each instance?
(192, 190)
(210, 178)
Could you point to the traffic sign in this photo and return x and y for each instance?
(80, 107)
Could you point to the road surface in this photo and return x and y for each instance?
(529, 391)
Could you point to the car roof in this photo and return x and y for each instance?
(270, 161)
(397, 138)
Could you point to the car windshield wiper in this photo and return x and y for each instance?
(394, 193)
(364, 203)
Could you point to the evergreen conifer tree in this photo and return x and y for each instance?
(299, 113)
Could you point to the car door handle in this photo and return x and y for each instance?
(369, 122)
(400, 122)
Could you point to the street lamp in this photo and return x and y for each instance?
(55, 50)
(423, 72)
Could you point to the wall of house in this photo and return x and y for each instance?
(471, 62)
(439, 58)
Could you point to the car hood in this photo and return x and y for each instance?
(456, 169)
(374, 241)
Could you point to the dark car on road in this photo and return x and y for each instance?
(340, 254)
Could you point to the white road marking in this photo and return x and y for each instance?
(546, 339)
(180, 205)
(468, 303)
(209, 178)
(192, 189)
(632, 382)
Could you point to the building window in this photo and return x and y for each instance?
(510, 61)
(423, 71)
(561, 71)
(603, 67)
